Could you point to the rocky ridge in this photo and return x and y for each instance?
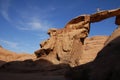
(7, 55)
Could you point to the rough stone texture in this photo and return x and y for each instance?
(91, 47)
(101, 15)
(106, 65)
(63, 46)
(66, 45)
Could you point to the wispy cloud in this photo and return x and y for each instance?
(10, 44)
(34, 19)
(28, 18)
(33, 24)
(5, 15)
(5, 9)
(20, 47)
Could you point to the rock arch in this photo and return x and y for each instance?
(65, 45)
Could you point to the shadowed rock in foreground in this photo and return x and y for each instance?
(106, 65)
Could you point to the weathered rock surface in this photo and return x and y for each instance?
(66, 45)
(42, 69)
(91, 47)
(106, 65)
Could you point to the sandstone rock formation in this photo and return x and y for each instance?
(106, 65)
(42, 69)
(92, 46)
(66, 45)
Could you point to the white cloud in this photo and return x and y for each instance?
(5, 15)
(5, 10)
(29, 18)
(10, 44)
(25, 18)
(20, 47)
(30, 26)
(33, 24)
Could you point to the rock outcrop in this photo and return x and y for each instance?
(106, 65)
(92, 46)
(66, 45)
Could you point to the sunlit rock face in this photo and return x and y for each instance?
(65, 45)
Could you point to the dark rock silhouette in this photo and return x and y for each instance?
(37, 66)
(2, 62)
(106, 65)
(29, 70)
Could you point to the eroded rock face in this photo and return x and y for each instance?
(106, 65)
(92, 46)
(65, 45)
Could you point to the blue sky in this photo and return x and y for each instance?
(24, 23)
